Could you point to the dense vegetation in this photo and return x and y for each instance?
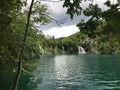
(100, 33)
(98, 45)
(17, 43)
(21, 41)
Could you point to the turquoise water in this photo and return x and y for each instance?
(74, 72)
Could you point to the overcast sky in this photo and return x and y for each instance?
(59, 13)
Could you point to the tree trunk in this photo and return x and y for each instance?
(22, 50)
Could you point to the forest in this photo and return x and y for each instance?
(21, 41)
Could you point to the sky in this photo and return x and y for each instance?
(59, 13)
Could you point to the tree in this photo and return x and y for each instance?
(41, 18)
(8, 11)
(101, 23)
(12, 35)
(96, 15)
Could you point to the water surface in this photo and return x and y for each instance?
(80, 72)
(75, 72)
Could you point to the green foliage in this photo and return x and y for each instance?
(39, 14)
(101, 44)
(112, 19)
(72, 42)
(12, 33)
(73, 7)
(97, 17)
(9, 9)
(94, 12)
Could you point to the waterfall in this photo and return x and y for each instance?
(41, 50)
(63, 49)
(81, 50)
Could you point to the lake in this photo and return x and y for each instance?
(72, 72)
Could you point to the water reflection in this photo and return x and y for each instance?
(62, 69)
(74, 72)
(27, 81)
(81, 72)
(65, 72)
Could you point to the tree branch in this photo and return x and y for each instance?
(22, 50)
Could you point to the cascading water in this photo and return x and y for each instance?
(81, 50)
(63, 49)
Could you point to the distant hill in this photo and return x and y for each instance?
(99, 44)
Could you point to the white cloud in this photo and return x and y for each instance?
(57, 8)
(61, 31)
